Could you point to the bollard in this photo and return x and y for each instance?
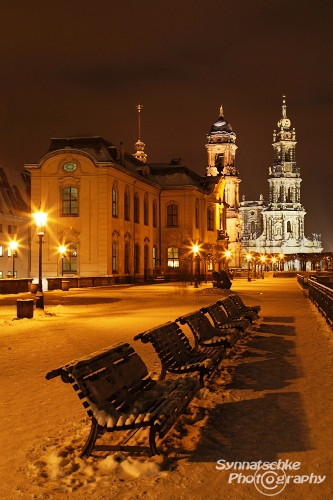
(25, 308)
(65, 285)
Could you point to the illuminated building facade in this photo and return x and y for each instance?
(277, 225)
(124, 218)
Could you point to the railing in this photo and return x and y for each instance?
(302, 280)
(322, 297)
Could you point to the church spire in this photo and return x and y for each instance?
(139, 145)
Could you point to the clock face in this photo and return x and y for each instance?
(70, 166)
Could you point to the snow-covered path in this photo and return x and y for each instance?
(272, 400)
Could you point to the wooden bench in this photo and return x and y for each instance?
(118, 394)
(252, 310)
(235, 311)
(207, 335)
(222, 320)
(176, 353)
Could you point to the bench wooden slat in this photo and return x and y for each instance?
(118, 393)
(205, 334)
(176, 353)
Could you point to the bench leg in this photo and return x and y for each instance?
(152, 443)
(88, 447)
(163, 373)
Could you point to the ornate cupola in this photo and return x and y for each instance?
(221, 148)
(139, 145)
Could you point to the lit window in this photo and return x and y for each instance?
(173, 257)
(172, 215)
(154, 256)
(114, 202)
(1, 251)
(70, 258)
(209, 265)
(69, 201)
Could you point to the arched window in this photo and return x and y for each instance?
(126, 205)
(69, 201)
(145, 210)
(253, 227)
(154, 213)
(289, 227)
(136, 208)
(70, 257)
(210, 219)
(173, 257)
(114, 202)
(172, 215)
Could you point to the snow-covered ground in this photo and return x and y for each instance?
(271, 399)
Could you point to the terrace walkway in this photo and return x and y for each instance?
(273, 400)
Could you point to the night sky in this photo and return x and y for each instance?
(81, 67)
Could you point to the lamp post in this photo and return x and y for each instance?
(13, 247)
(262, 260)
(62, 250)
(274, 263)
(195, 250)
(281, 257)
(248, 258)
(40, 221)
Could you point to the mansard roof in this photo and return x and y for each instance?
(169, 174)
(14, 192)
(97, 147)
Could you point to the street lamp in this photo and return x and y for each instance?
(13, 247)
(263, 260)
(195, 250)
(227, 255)
(62, 250)
(248, 258)
(40, 221)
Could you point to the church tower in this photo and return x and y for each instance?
(221, 151)
(283, 215)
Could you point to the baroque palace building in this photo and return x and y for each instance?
(276, 226)
(118, 215)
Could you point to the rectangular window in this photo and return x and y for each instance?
(172, 215)
(154, 213)
(10, 229)
(210, 219)
(1, 251)
(1, 275)
(136, 208)
(114, 203)
(70, 258)
(70, 201)
(114, 257)
(126, 206)
(173, 257)
(0, 228)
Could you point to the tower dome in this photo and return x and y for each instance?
(221, 130)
